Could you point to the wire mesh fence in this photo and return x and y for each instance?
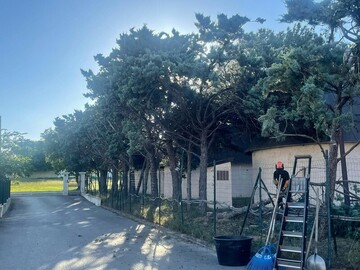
(252, 217)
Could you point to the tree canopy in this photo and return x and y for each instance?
(342, 17)
(13, 160)
(158, 95)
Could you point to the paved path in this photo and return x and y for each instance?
(66, 232)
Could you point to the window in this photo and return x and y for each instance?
(222, 175)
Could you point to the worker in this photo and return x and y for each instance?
(281, 173)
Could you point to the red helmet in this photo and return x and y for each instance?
(279, 165)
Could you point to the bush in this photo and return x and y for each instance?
(346, 228)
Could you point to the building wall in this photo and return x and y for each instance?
(223, 187)
(194, 185)
(239, 183)
(166, 183)
(267, 158)
(241, 180)
(195, 175)
(242, 177)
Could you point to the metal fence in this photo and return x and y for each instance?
(4, 190)
(188, 217)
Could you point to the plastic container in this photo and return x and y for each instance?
(233, 250)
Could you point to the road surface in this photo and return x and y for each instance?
(49, 231)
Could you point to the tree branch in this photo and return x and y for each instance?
(350, 149)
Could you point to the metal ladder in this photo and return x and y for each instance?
(291, 248)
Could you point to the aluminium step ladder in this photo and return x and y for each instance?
(291, 248)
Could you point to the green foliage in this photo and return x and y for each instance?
(344, 228)
(35, 150)
(270, 127)
(340, 16)
(12, 161)
(225, 30)
(158, 92)
(66, 145)
(308, 88)
(309, 10)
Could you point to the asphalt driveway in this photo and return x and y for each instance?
(47, 231)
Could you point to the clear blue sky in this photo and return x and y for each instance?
(45, 43)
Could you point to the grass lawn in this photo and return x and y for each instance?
(40, 185)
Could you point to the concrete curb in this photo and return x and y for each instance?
(93, 199)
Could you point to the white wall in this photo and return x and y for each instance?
(267, 158)
(166, 183)
(47, 174)
(195, 175)
(239, 184)
(223, 187)
(241, 175)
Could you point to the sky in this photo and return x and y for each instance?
(45, 43)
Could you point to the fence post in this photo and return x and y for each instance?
(214, 164)
(82, 182)
(180, 190)
(261, 207)
(159, 202)
(328, 206)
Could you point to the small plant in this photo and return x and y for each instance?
(346, 228)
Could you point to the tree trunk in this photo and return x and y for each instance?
(102, 182)
(131, 177)
(203, 170)
(333, 155)
(332, 163)
(153, 176)
(125, 180)
(344, 169)
(141, 179)
(146, 178)
(188, 173)
(235, 212)
(132, 181)
(115, 180)
(151, 156)
(174, 173)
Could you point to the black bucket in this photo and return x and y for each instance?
(233, 250)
